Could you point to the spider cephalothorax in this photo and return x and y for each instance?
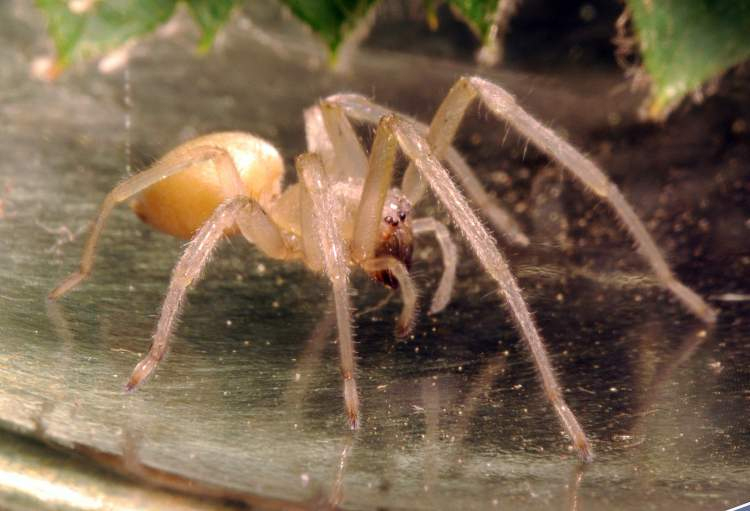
(396, 237)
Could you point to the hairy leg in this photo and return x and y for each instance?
(228, 176)
(330, 134)
(417, 150)
(185, 273)
(310, 169)
(317, 139)
(258, 229)
(374, 191)
(311, 243)
(406, 285)
(367, 225)
(448, 249)
(349, 156)
(505, 107)
(360, 108)
(503, 221)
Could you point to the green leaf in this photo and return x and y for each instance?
(331, 20)
(685, 43)
(210, 15)
(64, 27)
(106, 25)
(479, 14)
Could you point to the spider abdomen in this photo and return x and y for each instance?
(181, 203)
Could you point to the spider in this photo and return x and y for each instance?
(344, 213)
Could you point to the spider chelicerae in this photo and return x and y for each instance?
(344, 212)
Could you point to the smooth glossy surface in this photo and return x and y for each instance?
(452, 417)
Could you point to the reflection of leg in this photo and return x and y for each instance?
(431, 406)
(574, 486)
(187, 271)
(664, 372)
(310, 359)
(375, 308)
(337, 489)
(406, 285)
(416, 149)
(61, 326)
(448, 249)
(547, 211)
(473, 397)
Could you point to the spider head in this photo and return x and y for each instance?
(396, 238)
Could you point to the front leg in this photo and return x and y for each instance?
(330, 249)
(367, 226)
(360, 108)
(330, 135)
(416, 148)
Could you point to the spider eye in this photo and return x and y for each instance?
(402, 216)
(389, 220)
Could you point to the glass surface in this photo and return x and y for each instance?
(249, 398)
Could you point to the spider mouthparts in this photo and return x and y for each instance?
(397, 243)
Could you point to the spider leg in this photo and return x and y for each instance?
(417, 149)
(185, 273)
(406, 285)
(440, 135)
(503, 221)
(317, 139)
(374, 191)
(360, 108)
(330, 134)
(448, 248)
(228, 176)
(258, 229)
(505, 107)
(367, 225)
(312, 175)
(350, 159)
